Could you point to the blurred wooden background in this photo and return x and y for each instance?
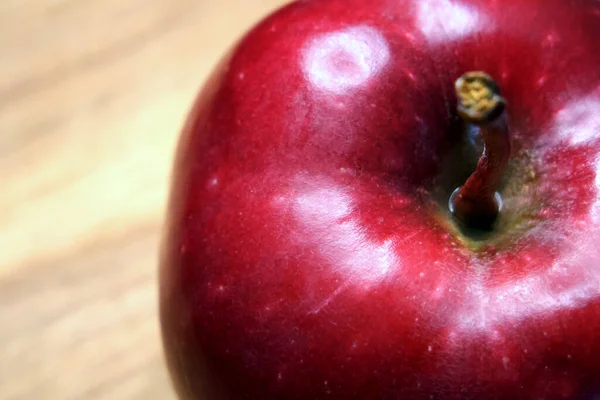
(92, 95)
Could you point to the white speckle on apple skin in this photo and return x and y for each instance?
(551, 39)
(541, 80)
(577, 121)
(340, 105)
(331, 208)
(213, 182)
(338, 62)
(443, 21)
(596, 205)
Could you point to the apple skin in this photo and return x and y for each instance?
(304, 257)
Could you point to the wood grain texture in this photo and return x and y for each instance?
(92, 95)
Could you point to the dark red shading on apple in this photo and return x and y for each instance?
(309, 252)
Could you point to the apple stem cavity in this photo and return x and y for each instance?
(477, 204)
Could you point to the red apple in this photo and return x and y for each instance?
(309, 251)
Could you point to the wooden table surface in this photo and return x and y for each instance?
(92, 95)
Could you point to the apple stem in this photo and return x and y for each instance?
(476, 203)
